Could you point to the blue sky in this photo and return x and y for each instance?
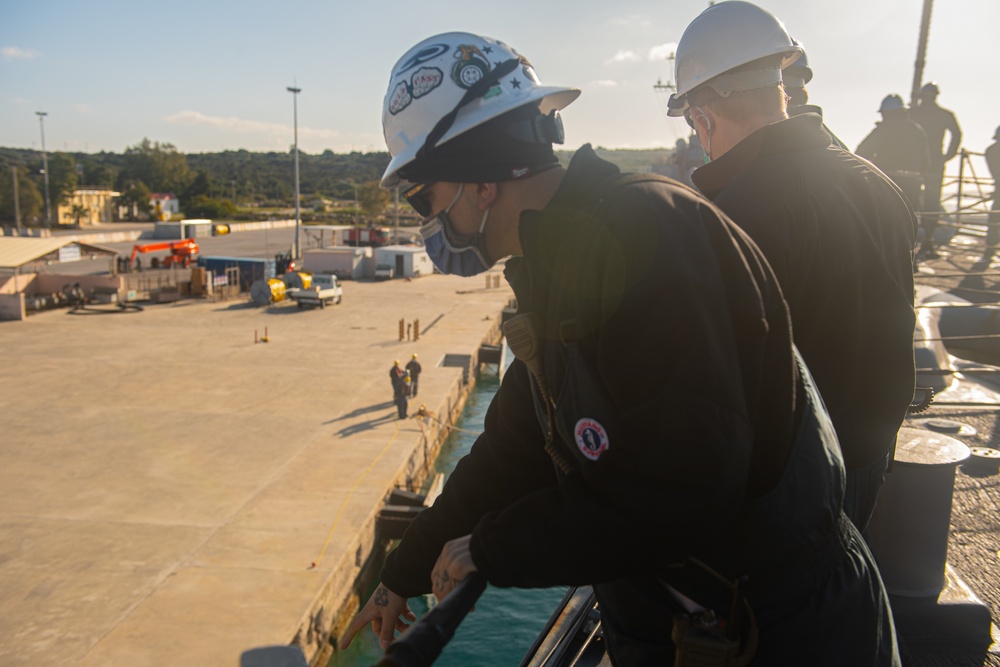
(211, 76)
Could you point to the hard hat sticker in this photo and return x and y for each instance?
(423, 55)
(591, 438)
(424, 80)
(421, 82)
(470, 66)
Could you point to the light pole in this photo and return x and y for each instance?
(17, 203)
(45, 168)
(295, 110)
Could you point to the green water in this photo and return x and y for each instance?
(506, 621)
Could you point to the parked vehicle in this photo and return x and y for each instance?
(383, 272)
(181, 253)
(324, 290)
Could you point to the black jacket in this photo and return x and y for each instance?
(898, 147)
(839, 236)
(665, 343)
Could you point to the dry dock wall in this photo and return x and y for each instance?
(339, 598)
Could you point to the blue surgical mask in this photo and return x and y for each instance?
(452, 253)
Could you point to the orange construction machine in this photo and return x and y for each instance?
(181, 253)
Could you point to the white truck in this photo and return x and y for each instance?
(324, 289)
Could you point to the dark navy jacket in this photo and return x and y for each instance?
(678, 403)
(839, 236)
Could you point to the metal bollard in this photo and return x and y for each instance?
(416, 329)
(908, 533)
(402, 323)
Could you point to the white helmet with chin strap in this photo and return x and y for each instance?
(451, 83)
(724, 37)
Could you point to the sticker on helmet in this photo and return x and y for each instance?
(424, 80)
(591, 438)
(470, 65)
(400, 98)
(422, 56)
(421, 82)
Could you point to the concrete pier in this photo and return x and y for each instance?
(166, 483)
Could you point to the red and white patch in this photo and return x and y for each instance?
(591, 438)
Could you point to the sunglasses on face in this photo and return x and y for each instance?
(418, 199)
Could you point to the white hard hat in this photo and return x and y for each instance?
(725, 36)
(892, 102)
(431, 82)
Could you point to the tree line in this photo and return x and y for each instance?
(230, 185)
(208, 184)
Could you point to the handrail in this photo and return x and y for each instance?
(423, 642)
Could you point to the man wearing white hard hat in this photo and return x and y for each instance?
(657, 436)
(836, 231)
(898, 147)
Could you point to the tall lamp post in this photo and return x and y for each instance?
(45, 168)
(295, 107)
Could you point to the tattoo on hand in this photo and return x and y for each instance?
(381, 597)
(442, 579)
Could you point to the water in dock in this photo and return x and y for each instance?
(506, 620)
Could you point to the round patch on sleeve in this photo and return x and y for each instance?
(591, 438)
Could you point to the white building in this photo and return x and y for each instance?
(407, 261)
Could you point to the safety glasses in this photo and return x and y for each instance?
(418, 199)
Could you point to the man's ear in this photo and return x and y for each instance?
(486, 195)
(703, 121)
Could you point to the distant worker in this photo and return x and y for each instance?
(935, 121)
(794, 78)
(414, 369)
(836, 232)
(395, 377)
(402, 395)
(898, 147)
(993, 162)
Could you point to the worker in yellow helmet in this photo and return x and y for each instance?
(414, 369)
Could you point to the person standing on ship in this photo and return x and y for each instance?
(935, 121)
(794, 79)
(898, 147)
(992, 154)
(716, 457)
(837, 233)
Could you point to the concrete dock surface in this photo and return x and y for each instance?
(166, 483)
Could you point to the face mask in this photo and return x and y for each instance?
(452, 253)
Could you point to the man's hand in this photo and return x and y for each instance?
(386, 611)
(452, 566)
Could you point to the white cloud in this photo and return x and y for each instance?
(631, 21)
(623, 56)
(663, 51)
(245, 126)
(17, 53)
